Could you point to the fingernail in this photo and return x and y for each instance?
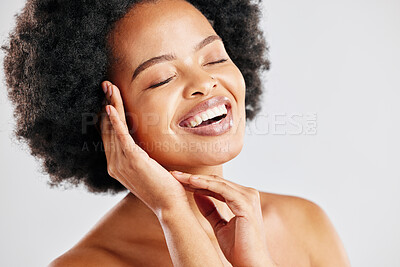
(195, 177)
(110, 89)
(177, 172)
(108, 110)
(104, 85)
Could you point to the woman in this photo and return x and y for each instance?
(176, 105)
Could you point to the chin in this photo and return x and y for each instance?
(217, 155)
(224, 155)
(210, 154)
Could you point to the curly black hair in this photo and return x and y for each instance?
(58, 55)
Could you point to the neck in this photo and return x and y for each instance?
(133, 212)
(205, 170)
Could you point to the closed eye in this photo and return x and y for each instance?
(216, 62)
(161, 83)
(169, 79)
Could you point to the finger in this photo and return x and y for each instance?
(105, 123)
(104, 86)
(234, 198)
(204, 192)
(185, 178)
(113, 95)
(121, 132)
(106, 133)
(210, 211)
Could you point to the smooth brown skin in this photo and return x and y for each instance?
(288, 230)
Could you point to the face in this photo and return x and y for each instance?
(186, 106)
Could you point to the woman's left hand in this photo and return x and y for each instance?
(243, 238)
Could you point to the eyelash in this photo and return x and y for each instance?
(169, 79)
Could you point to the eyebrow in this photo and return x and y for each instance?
(169, 57)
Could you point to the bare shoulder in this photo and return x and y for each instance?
(87, 257)
(309, 224)
(296, 211)
(298, 214)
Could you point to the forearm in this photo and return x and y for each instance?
(187, 242)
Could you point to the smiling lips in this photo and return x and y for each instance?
(211, 117)
(206, 117)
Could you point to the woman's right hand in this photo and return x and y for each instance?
(131, 165)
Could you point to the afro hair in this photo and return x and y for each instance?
(57, 56)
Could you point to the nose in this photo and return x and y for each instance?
(200, 83)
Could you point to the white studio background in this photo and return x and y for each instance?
(336, 60)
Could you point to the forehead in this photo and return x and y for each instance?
(152, 29)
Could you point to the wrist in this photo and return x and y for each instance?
(172, 212)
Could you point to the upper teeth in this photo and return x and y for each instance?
(208, 114)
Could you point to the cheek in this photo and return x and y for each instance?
(150, 119)
(233, 80)
(241, 84)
